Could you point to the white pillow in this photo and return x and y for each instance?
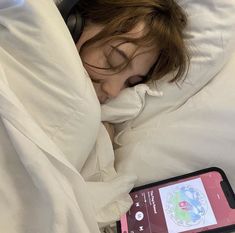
(191, 127)
(197, 135)
(44, 70)
(210, 37)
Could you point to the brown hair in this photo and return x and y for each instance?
(164, 20)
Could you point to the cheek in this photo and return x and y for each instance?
(98, 90)
(93, 57)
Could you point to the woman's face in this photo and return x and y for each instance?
(108, 83)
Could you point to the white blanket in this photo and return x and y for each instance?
(55, 175)
(56, 160)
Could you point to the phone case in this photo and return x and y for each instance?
(227, 187)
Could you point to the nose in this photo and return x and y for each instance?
(112, 87)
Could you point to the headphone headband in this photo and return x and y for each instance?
(65, 7)
(71, 15)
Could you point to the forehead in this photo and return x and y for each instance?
(143, 60)
(138, 30)
(142, 56)
(146, 54)
(144, 51)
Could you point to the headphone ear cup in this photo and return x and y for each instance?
(71, 23)
(75, 24)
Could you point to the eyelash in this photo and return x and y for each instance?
(110, 66)
(129, 84)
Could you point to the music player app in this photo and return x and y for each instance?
(186, 206)
(189, 206)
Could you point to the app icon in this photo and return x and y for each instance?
(139, 216)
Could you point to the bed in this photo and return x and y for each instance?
(59, 172)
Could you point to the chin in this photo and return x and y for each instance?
(103, 100)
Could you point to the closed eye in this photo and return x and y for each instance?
(116, 58)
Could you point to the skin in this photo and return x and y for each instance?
(107, 83)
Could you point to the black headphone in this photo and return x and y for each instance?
(69, 10)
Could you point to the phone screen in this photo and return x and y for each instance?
(188, 205)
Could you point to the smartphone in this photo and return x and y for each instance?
(202, 201)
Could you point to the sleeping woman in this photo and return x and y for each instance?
(127, 42)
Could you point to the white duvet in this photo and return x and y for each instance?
(58, 170)
(56, 158)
